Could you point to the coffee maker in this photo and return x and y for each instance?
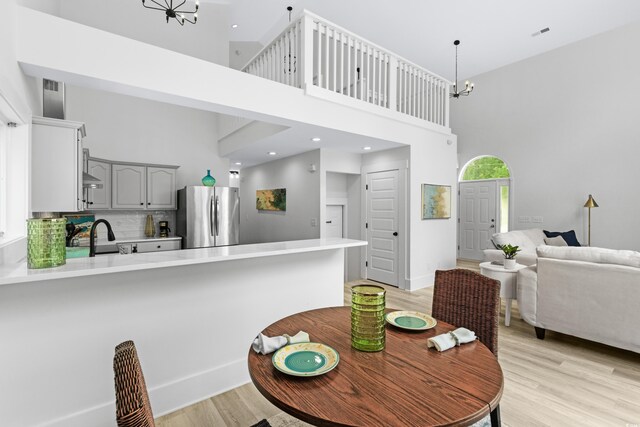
(164, 228)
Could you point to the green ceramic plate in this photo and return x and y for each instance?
(306, 359)
(413, 320)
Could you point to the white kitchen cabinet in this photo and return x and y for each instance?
(128, 186)
(56, 165)
(99, 198)
(161, 188)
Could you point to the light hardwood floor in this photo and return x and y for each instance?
(561, 381)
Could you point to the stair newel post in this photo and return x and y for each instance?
(307, 51)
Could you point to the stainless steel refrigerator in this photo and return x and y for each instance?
(208, 216)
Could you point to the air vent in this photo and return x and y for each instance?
(53, 99)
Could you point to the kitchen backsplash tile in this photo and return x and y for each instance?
(130, 224)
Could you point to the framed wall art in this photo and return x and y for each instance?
(272, 200)
(436, 201)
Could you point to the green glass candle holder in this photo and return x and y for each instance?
(367, 317)
(46, 242)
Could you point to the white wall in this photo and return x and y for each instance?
(433, 244)
(240, 53)
(565, 122)
(208, 39)
(126, 128)
(303, 200)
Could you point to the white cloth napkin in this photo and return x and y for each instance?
(451, 339)
(265, 345)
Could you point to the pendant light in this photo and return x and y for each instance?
(468, 86)
(289, 60)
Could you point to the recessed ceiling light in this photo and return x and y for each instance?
(238, 163)
(272, 153)
(316, 139)
(234, 26)
(366, 148)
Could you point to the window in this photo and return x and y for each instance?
(487, 167)
(14, 172)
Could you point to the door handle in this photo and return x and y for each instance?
(217, 213)
(328, 222)
(395, 233)
(492, 226)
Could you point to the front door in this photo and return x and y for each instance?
(477, 218)
(382, 226)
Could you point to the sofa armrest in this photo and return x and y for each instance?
(527, 294)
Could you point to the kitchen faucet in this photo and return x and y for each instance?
(92, 244)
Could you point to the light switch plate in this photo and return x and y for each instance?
(524, 219)
(537, 219)
(314, 222)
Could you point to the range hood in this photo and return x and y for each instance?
(88, 181)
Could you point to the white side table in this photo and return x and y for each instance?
(508, 284)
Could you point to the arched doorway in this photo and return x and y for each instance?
(484, 199)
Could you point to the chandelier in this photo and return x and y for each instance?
(468, 86)
(174, 11)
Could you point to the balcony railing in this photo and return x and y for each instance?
(314, 52)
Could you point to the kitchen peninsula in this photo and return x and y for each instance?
(192, 314)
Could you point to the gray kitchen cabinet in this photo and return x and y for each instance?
(56, 165)
(139, 186)
(161, 188)
(99, 198)
(128, 186)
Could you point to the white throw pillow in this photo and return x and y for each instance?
(555, 241)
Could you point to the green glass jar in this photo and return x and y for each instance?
(46, 242)
(208, 180)
(367, 317)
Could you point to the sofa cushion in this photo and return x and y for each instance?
(591, 254)
(568, 236)
(527, 240)
(555, 241)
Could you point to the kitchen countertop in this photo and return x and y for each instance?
(115, 263)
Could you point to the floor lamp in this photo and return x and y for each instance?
(590, 204)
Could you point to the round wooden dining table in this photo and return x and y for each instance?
(406, 384)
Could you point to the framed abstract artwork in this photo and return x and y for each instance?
(271, 200)
(436, 201)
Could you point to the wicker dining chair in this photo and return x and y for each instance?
(468, 299)
(133, 408)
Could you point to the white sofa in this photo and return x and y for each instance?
(527, 240)
(591, 293)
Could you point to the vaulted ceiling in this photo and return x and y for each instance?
(493, 33)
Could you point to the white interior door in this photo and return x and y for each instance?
(382, 226)
(477, 217)
(334, 221)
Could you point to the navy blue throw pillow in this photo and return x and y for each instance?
(568, 236)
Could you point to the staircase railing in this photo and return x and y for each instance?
(313, 52)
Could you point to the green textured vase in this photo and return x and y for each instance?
(46, 242)
(208, 181)
(367, 317)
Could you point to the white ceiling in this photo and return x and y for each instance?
(493, 33)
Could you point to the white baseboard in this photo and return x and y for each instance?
(420, 282)
(166, 398)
